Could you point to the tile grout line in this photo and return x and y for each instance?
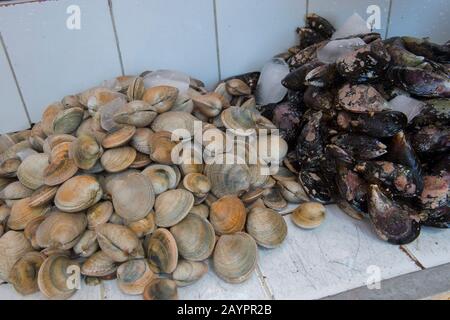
(412, 257)
(263, 282)
(307, 7)
(116, 36)
(216, 32)
(8, 58)
(388, 22)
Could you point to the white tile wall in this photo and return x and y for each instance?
(50, 60)
(421, 18)
(161, 34)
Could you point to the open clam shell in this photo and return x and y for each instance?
(24, 273)
(118, 159)
(21, 214)
(267, 227)
(133, 276)
(53, 277)
(163, 177)
(60, 230)
(228, 215)
(172, 206)
(78, 193)
(235, 257)
(188, 272)
(85, 151)
(119, 242)
(98, 265)
(31, 171)
(161, 289)
(138, 188)
(195, 237)
(13, 245)
(162, 251)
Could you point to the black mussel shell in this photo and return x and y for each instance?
(401, 152)
(318, 98)
(315, 186)
(438, 218)
(306, 55)
(267, 110)
(308, 37)
(295, 97)
(400, 180)
(323, 76)
(359, 146)
(365, 64)
(361, 98)
(431, 139)
(402, 57)
(291, 162)
(430, 50)
(435, 192)
(287, 118)
(351, 187)
(295, 80)
(441, 166)
(392, 222)
(379, 125)
(320, 24)
(250, 78)
(420, 82)
(435, 112)
(309, 144)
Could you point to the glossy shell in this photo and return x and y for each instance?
(162, 251)
(53, 277)
(119, 242)
(24, 273)
(133, 276)
(78, 193)
(228, 215)
(161, 289)
(267, 227)
(309, 215)
(188, 272)
(172, 206)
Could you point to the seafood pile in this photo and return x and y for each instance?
(368, 126)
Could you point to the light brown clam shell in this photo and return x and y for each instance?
(60, 230)
(163, 177)
(49, 116)
(119, 138)
(98, 265)
(228, 179)
(162, 251)
(161, 146)
(140, 140)
(183, 103)
(21, 214)
(136, 113)
(197, 183)
(141, 161)
(228, 215)
(91, 127)
(173, 120)
(188, 272)
(78, 193)
(87, 245)
(118, 159)
(43, 196)
(119, 242)
(201, 209)
(210, 104)
(273, 199)
(24, 273)
(30, 231)
(161, 289)
(61, 167)
(195, 238)
(31, 171)
(267, 227)
(309, 215)
(133, 276)
(237, 87)
(293, 191)
(235, 257)
(136, 89)
(172, 206)
(13, 245)
(15, 191)
(68, 120)
(144, 226)
(85, 151)
(161, 98)
(99, 213)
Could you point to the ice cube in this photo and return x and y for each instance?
(269, 88)
(409, 106)
(354, 25)
(335, 49)
(172, 78)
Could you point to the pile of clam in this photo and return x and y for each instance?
(368, 126)
(94, 185)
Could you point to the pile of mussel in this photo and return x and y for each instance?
(370, 130)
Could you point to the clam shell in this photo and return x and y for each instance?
(61, 167)
(162, 251)
(68, 120)
(173, 121)
(24, 273)
(133, 276)
(78, 193)
(60, 230)
(136, 89)
(137, 188)
(142, 160)
(172, 206)
(140, 140)
(188, 272)
(237, 87)
(98, 265)
(210, 104)
(49, 116)
(267, 227)
(30, 231)
(42, 196)
(118, 159)
(8, 168)
(161, 98)
(136, 113)
(228, 179)
(99, 213)
(183, 103)
(195, 238)
(197, 183)
(53, 276)
(52, 141)
(309, 215)
(31, 171)
(161, 146)
(161, 289)
(273, 199)
(119, 138)
(13, 245)
(202, 210)
(235, 257)
(14, 191)
(144, 226)
(91, 127)
(87, 245)
(118, 242)
(85, 151)
(163, 177)
(228, 215)
(21, 214)
(292, 191)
